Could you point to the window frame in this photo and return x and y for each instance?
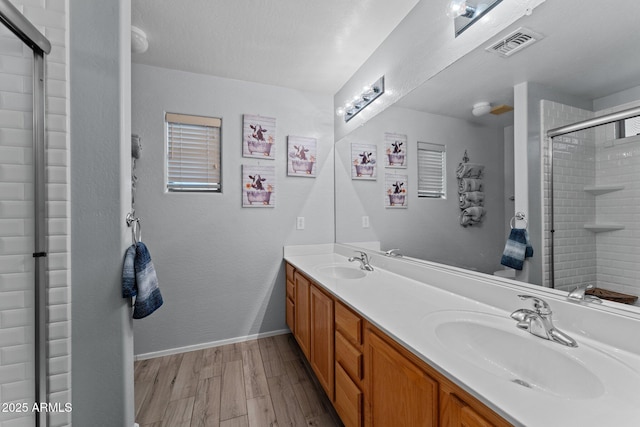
(621, 128)
(178, 119)
(431, 193)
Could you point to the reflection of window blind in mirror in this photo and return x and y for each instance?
(431, 170)
(193, 153)
(628, 127)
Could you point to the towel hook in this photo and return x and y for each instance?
(519, 216)
(136, 228)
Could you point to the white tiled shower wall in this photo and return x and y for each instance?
(618, 162)
(51, 18)
(589, 157)
(16, 230)
(574, 247)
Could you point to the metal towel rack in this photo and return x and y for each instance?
(519, 216)
(132, 220)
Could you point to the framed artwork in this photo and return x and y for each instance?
(259, 137)
(396, 192)
(301, 156)
(258, 186)
(363, 161)
(395, 150)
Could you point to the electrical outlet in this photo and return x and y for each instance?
(365, 222)
(300, 223)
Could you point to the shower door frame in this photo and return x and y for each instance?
(11, 17)
(564, 130)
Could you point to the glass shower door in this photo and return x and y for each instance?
(17, 266)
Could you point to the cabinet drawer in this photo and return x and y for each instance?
(349, 357)
(291, 289)
(348, 400)
(290, 270)
(349, 323)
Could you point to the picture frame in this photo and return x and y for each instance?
(259, 137)
(364, 163)
(395, 150)
(301, 156)
(396, 195)
(258, 186)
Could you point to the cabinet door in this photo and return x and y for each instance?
(302, 331)
(322, 338)
(290, 299)
(290, 314)
(398, 393)
(348, 401)
(459, 414)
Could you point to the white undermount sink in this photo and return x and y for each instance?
(336, 271)
(493, 344)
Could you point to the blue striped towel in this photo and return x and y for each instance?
(517, 249)
(139, 279)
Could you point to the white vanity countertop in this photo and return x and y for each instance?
(398, 305)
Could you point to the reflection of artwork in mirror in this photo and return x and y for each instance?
(395, 190)
(259, 137)
(258, 186)
(395, 150)
(301, 158)
(363, 161)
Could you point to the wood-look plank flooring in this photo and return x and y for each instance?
(263, 382)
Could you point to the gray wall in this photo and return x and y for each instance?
(428, 228)
(102, 344)
(219, 265)
(616, 99)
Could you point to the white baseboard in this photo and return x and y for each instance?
(171, 351)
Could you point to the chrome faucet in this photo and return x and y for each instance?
(393, 253)
(579, 295)
(538, 322)
(364, 261)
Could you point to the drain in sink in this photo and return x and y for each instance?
(521, 382)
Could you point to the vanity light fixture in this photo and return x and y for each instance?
(368, 95)
(465, 12)
(460, 8)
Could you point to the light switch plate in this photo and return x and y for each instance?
(300, 223)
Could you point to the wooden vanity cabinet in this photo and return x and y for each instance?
(370, 378)
(322, 338)
(313, 328)
(459, 409)
(302, 331)
(398, 391)
(349, 366)
(290, 299)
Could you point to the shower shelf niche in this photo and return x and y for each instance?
(597, 190)
(599, 227)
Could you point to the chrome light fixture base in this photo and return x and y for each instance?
(369, 95)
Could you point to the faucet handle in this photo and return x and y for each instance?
(579, 294)
(578, 291)
(363, 256)
(541, 307)
(394, 253)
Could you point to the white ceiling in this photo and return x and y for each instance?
(588, 50)
(301, 44)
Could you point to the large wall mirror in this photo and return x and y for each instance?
(580, 65)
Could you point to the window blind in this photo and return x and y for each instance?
(431, 170)
(193, 153)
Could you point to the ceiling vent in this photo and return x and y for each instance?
(514, 42)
